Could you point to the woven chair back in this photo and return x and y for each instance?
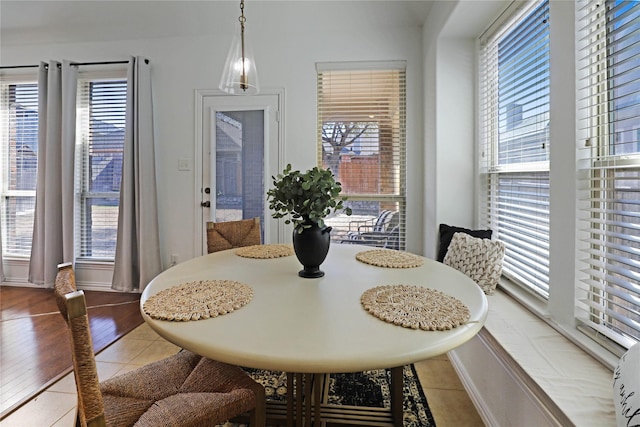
(73, 308)
(233, 234)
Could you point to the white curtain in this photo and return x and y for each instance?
(137, 258)
(53, 221)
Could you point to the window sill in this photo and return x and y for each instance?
(567, 381)
(91, 275)
(608, 356)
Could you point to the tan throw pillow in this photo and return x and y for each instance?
(480, 259)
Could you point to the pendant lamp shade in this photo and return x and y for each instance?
(239, 76)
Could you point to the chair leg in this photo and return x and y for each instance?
(258, 417)
(78, 417)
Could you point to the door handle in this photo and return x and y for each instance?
(206, 204)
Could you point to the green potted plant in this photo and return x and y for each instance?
(305, 199)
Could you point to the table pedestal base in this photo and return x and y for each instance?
(307, 404)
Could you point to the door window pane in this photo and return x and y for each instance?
(239, 166)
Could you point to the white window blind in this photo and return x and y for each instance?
(361, 138)
(19, 160)
(608, 294)
(101, 122)
(514, 132)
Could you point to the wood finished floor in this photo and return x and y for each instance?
(34, 348)
(447, 399)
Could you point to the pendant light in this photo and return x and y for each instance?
(239, 76)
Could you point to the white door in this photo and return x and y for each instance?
(241, 150)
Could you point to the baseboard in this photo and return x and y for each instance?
(90, 276)
(502, 392)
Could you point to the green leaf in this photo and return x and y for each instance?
(313, 194)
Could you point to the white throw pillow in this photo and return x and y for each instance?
(480, 259)
(626, 388)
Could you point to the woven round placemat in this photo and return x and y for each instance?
(265, 251)
(198, 300)
(415, 307)
(390, 258)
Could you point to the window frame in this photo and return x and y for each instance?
(394, 198)
(608, 271)
(532, 275)
(5, 83)
(82, 163)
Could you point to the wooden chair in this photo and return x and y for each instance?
(232, 234)
(235, 234)
(181, 390)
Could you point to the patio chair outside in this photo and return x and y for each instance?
(382, 231)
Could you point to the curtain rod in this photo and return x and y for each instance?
(73, 63)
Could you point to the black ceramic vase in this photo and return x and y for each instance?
(311, 247)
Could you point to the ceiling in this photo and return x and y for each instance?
(97, 20)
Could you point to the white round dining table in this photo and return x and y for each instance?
(301, 325)
(311, 328)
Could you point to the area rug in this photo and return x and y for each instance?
(369, 388)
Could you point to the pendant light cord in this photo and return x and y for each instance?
(243, 78)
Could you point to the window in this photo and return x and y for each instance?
(608, 294)
(101, 106)
(239, 157)
(19, 133)
(101, 122)
(514, 135)
(361, 138)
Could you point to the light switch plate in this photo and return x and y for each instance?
(183, 165)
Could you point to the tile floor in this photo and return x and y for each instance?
(447, 399)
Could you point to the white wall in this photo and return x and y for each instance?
(449, 44)
(288, 39)
(432, 27)
(455, 132)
